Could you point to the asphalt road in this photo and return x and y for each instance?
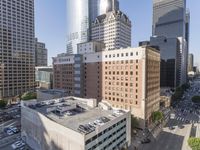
(176, 138)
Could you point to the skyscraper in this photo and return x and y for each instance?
(80, 15)
(17, 52)
(40, 53)
(113, 29)
(170, 21)
(190, 62)
(108, 5)
(77, 23)
(169, 18)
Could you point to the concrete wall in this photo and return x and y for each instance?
(41, 133)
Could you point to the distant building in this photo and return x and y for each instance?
(72, 123)
(113, 29)
(90, 47)
(44, 77)
(144, 43)
(170, 69)
(117, 76)
(79, 30)
(40, 54)
(50, 94)
(190, 62)
(171, 20)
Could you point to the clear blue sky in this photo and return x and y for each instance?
(50, 23)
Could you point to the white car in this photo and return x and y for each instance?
(18, 144)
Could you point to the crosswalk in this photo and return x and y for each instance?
(183, 119)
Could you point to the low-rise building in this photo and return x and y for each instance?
(50, 94)
(44, 77)
(72, 123)
(90, 47)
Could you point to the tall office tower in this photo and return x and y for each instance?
(170, 71)
(80, 15)
(169, 18)
(113, 29)
(40, 53)
(17, 49)
(187, 34)
(108, 5)
(77, 24)
(170, 21)
(190, 62)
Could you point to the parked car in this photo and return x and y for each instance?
(18, 144)
(145, 141)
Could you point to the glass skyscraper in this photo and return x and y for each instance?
(80, 15)
(169, 18)
(170, 21)
(77, 24)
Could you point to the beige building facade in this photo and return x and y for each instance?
(126, 78)
(113, 29)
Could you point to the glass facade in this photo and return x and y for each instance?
(77, 24)
(170, 71)
(80, 14)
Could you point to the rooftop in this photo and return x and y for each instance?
(80, 115)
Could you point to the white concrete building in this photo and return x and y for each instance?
(72, 123)
(113, 29)
(90, 47)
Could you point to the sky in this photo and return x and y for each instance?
(50, 24)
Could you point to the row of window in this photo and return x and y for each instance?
(107, 130)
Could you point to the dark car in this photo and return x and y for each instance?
(181, 126)
(171, 128)
(187, 121)
(145, 141)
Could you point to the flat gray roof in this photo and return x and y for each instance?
(81, 114)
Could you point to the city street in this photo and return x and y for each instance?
(175, 134)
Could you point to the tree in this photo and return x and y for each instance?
(134, 122)
(157, 116)
(194, 143)
(196, 99)
(28, 96)
(3, 103)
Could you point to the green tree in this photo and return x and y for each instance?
(3, 103)
(134, 122)
(196, 99)
(28, 96)
(157, 116)
(194, 143)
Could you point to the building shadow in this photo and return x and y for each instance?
(37, 134)
(167, 141)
